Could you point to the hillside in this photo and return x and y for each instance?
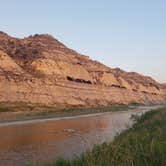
(40, 69)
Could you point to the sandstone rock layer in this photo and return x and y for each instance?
(40, 69)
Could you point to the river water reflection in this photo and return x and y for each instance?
(40, 142)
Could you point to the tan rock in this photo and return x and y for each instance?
(109, 79)
(8, 64)
(40, 69)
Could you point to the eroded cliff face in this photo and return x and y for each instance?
(40, 69)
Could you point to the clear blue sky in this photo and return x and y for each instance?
(130, 34)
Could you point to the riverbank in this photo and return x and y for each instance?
(23, 112)
(143, 144)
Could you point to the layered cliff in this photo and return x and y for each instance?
(40, 69)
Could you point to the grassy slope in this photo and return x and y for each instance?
(142, 145)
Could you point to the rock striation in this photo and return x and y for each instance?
(40, 69)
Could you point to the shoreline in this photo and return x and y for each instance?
(43, 119)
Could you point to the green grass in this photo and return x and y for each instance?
(83, 111)
(4, 108)
(32, 111)
(142, 145)
(13, 107)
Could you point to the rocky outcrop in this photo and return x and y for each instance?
(8, 65)
(40, 69)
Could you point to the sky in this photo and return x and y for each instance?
(128, 34)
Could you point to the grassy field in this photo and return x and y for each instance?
(22, 111)
(142, 145)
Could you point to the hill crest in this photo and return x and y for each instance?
(43, 63)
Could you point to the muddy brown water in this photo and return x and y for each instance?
(42, 141)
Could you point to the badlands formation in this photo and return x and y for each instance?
(41, 70)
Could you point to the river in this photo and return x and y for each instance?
(41, 141)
